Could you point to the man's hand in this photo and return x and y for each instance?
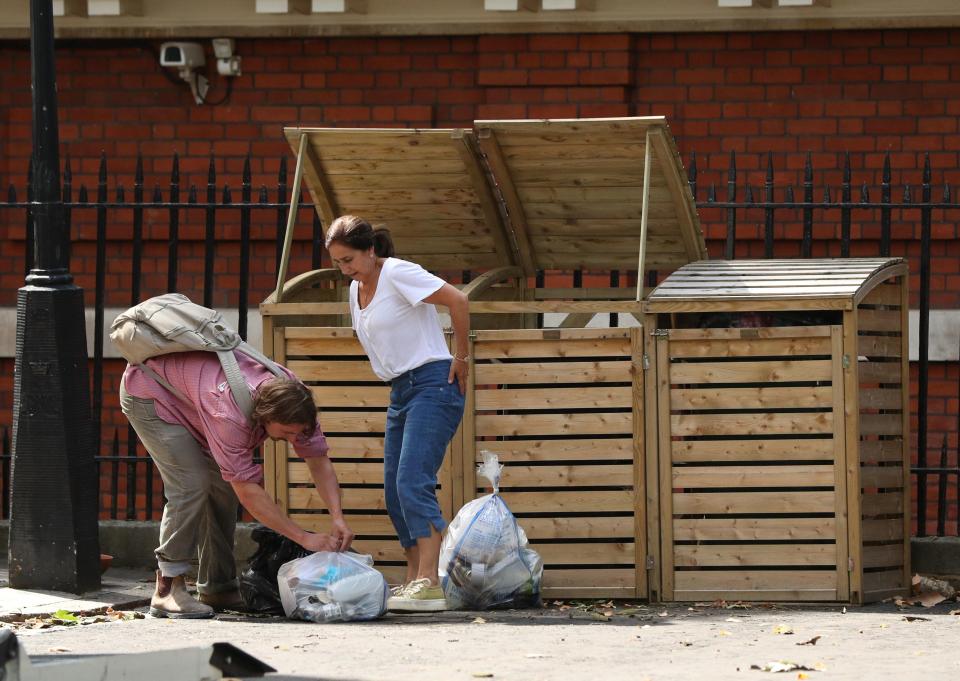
(319, 542)
(342, 534)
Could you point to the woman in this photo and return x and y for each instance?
(392, 308)
(203, 448)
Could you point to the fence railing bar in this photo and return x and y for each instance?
(173, 229)
(806, 243)
(923, 354)
(729, 251)
(282, 209)
(210, 237)
(768, 212)
(246, 193)
(846, 194)
(99, 296)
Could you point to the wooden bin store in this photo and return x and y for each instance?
(562, 406)
(781, 427)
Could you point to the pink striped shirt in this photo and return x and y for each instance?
(212, 416)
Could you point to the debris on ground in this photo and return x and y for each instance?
(785, 666)
(65, 618)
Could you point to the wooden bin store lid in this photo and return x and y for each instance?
(833, 283)
(535, 194)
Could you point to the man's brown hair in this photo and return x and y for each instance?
(286, 401)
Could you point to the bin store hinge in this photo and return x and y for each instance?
(660, 332)
(845, 361)
(650, 562)
(646, 361)
(849, 564)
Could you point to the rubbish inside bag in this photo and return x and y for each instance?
(258, 581)
(484, 559)
(332, 587)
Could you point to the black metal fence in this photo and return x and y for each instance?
(129, 488)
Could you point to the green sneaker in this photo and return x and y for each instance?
(419, 596)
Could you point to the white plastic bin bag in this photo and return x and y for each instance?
(484, 558)
(332, 587)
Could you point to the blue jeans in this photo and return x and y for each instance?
(424, 413)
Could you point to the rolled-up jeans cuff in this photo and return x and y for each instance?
(170, 568)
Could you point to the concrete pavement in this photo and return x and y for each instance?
(571, 640)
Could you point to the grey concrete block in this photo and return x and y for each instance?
(938, 556)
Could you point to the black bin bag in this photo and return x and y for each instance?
(258, 581)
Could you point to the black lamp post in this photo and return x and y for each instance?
(53, 502)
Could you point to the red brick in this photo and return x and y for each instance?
(564, 77)
(548, 42)
(605, 41)
(517, 77)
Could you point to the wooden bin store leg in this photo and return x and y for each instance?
(641, 548)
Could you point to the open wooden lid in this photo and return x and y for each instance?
(827, 279)
(538, 194)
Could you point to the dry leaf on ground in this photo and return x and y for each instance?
(782, 666)
(811, 642)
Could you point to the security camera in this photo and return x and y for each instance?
(182, 55)
(187, 57)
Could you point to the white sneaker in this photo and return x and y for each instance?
(419, 596)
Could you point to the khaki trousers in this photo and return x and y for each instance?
(200, 514)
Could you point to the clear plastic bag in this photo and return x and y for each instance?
(484, 559)
(332, 587)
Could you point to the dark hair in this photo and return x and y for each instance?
(355, 232)
(283, 400)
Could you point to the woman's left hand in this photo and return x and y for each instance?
(459, 370)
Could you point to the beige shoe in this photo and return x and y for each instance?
(418, 596)
(171, 599)
(223, 600)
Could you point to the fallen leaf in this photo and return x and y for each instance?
(608, 613)
(782, 666)
(65, 616)
(811, 642)
(801, 675)
(884, 626)
(914, 618)
(479, 620)
(59, 650)
(783, 630)
(482, 675)
(928, 599)
(724, 632)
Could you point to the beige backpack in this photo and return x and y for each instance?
(172, 323)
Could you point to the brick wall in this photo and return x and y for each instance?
(788, 94)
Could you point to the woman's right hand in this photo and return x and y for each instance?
(315, 541)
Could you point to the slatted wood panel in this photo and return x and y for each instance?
(426, 186)
(557, 407)
(752, 489)
(574, 191)
(353, 404)
(883, 442)
(782, 282)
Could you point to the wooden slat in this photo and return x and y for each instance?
(750, 372)
(593, 449)
(882, 504)
(424, 166)
(758, 580)
(484, 336)
(357, 396)
(377, 525)
(881, 476)
(879, 346)
(332, 346)
(764, 595)
(752, 424)
(879, 372)
(575, 501)
(587, 578)
(573, 150)
(880, 398)
(840, 456)
(768, 332)
(881, 424)
(609, 397)
(884, 580)
(752, 450)
(554, 424)
(751, 347)
(884, 294)
(589, 527)
(358, 447)
(754, 555)
(882, 530)
(890, 555)
(878, 320)
(419, 180)
(603, 475)
(747, 291)
(353, 498)
(328, 370)
(746, 529)
(587, 553)
(752, 476)
(750, 398)
(881, 450)
(553, 372)
(348, 473)
(523, 349)
(354, 422)
(753, 502)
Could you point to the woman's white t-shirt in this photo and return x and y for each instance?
(397, 329)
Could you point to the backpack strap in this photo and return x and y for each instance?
(155, 376)
(237, 382)
(251, 351)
